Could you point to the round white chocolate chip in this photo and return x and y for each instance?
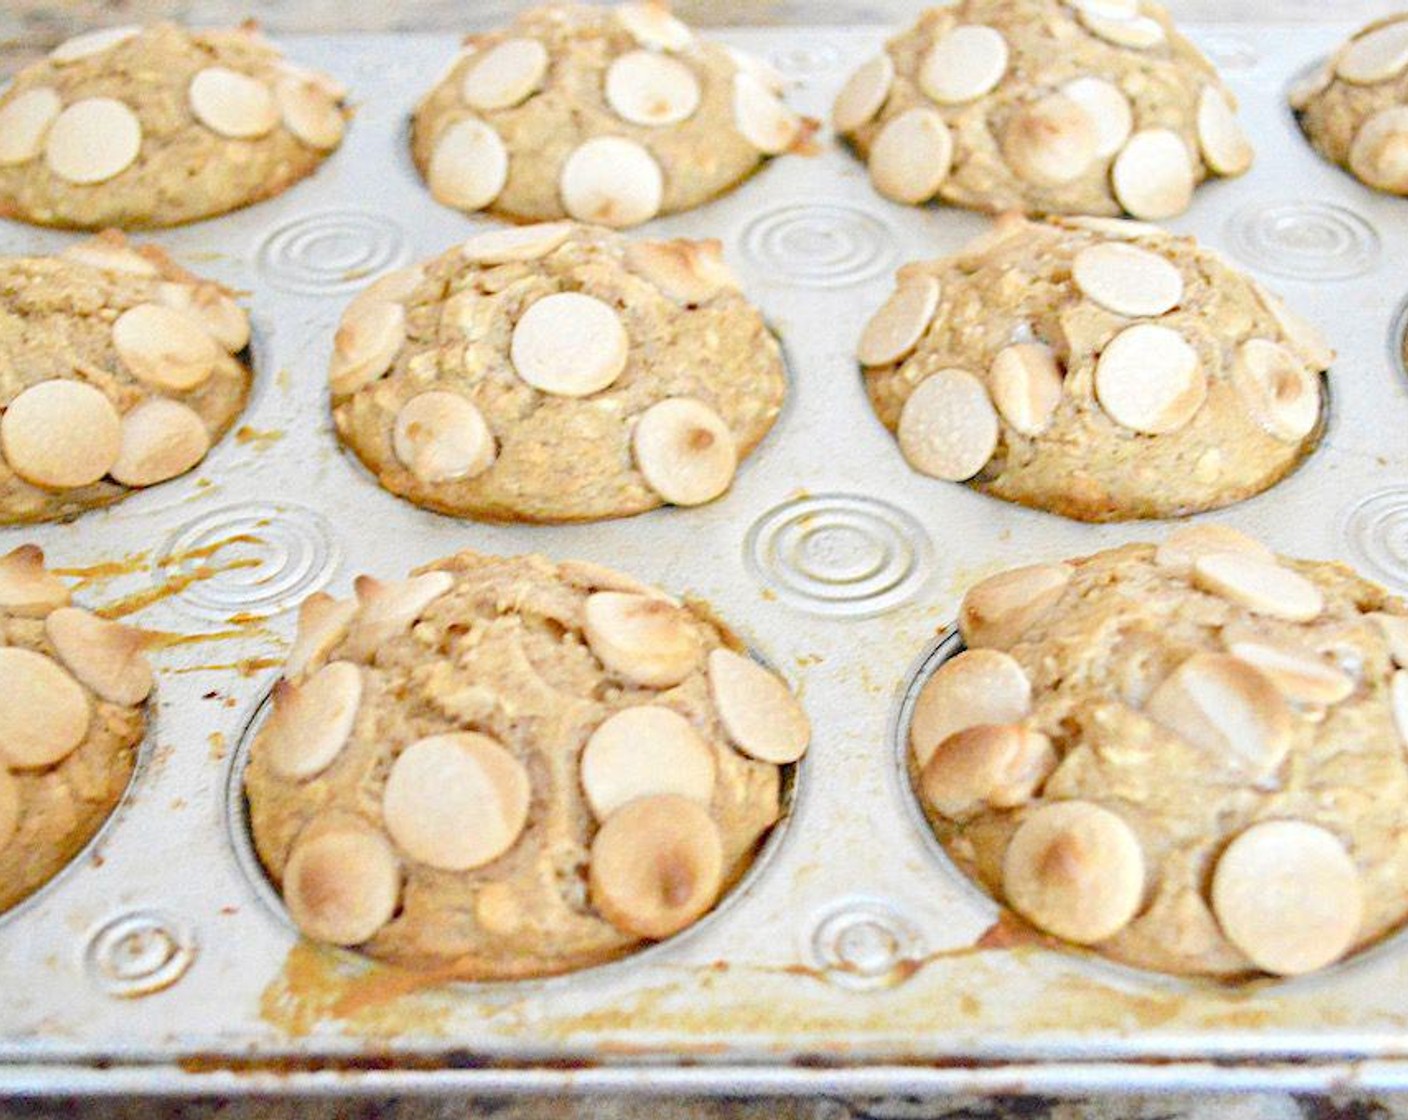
(769, 75)
(1150, 380)
(895, 330)
(864, 94)
(1263, 587)
(911, 157)
(469, 166)
(1225, 146)
(977, 687)
(1398, 702)
(685, 451)
(1106, 9)
(1379, 152)
(24, 122)
(342, 884)
(646, 640)
(312, 721)
(322, 624)
(106, 656)
(366, 344)
(647, 88)
(164, 348)
(10, 807)
(516, 243)
(309, 112)
(1076, 870)
(762, 717)
(1302, 337)
(656, 865)
(965, 64)
(1107, 107)
(1001, 766)
(232, 104)
(686, 271)
(443, 437)
(1128, 280)
(1026, 386)
(1375, 56)
(1123, 229)
(110, 252)
(1393, 628)
(1153, 176)
(762, 118)
(219, 316)
(1185, 546)
(456, 802)
(569, 344)
(1280, 393)
(996, 612)
(1139, 32)
(60, 434)
(92, 141)
(92, 43)
(1288, 895)
(386, 611)
(613, 182)
(160, 439)
(1051, 142)
(1297, 674)
(505, 75)
(948, 427)
(652, 25)
(27, 588)
(44, 712)
(642, 752)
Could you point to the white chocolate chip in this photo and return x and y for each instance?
(656, 865)
(1026, 386)
(1074, 869)
(762, 118)
(106, 656)
(1280, 393)
(232, 104)
(92, 141)
(1107, 107)
(1139, 32)
(27, 588)
(219, 315)
(312, 721)
(1398, 702)
(60, 434)
(456, 802)
(44, 712)
(1153, 176)
(330, 86)
(1122, 229)
(309, 112)
(613, 182)
(685, 451)
(443, 437)
(161, 439)
(469, 166)
(1288, 895)
(1393, 627)
(1261, 587)
(505, 75)
(1307, 88)
(1225, 146)
(643, 87)
(569, 344)
(10, 807)
(760, 68)
(975, 688)
(1106, 9)
(864, 94)
(762, 717)
(1050, 142)
(1128, 280)
(1375, 56)
(516, 243)
(91, 43)
(996, 612)
(1304, 338)
(911, 157)
(1185, 546)
(686, 271)
(342, 884)
(642, 752)
(1299, 675)
(385, 611)
(652, 25)
(1150, 380)
(323, 622)
(1379, 152)
(164, 348)
(24, 122)
(997, 765)
(964, 65)
(110, 252)
(895, 330)
(948, 427)
(366, 344)
(646, 640)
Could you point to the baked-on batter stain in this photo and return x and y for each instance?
(245, 667)
(261, 440)
(174, 585)
(104, 572)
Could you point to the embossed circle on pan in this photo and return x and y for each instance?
(254, 558)
(819, 245)
(332, 253)
(1377, 530)
(840, 554)
(140, 952)
(865, 944)
(1305, 240)
(807, 59)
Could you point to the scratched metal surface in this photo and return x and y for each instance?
(849, 962)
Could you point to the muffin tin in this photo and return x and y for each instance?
(853, 958)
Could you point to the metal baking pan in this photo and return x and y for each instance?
(854, 959)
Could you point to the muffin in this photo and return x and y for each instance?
(133, 128)
(556, 372)
(504, 767)
(1187, 758)
(1354, 109)
(118, 371)
(72, 693)
(1078, 107)
(610, 115)
(1096, 368)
